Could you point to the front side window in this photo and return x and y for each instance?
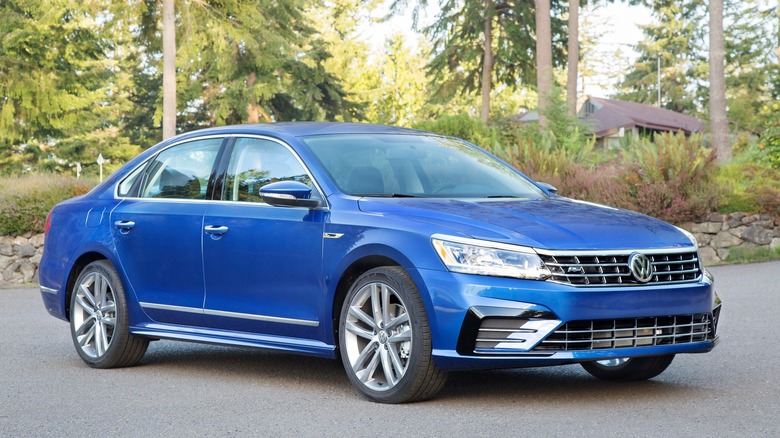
(255, 163)
(182, 171)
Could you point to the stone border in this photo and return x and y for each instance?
(719, 234)
(19, 258)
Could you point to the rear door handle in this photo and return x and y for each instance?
(216, 231)
(124, 226)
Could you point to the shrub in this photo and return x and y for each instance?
(463, 126)
(751, 187)
(25, 201)
(675, 177)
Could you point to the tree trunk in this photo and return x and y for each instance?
(543, 59)
(169, 69)
(719, 130)
(487, 61)
(573, 57)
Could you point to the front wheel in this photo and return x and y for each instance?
(98, 319)
(628, 369)
(385, 339)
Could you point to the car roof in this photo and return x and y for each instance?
(302, 129)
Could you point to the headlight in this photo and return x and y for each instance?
(471, 256)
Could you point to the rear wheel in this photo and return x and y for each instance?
(98, 319)
(385, 339)
(628, 369)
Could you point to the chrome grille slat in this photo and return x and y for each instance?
(626, 333)
(593, 269)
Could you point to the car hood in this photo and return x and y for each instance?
(552, 223)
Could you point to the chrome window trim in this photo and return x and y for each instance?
(250, 316)
(321, 192)
(561, 252)
(48, 290)
(145, 162)
(614, 252)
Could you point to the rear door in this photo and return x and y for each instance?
(263, 264)
(158, 232)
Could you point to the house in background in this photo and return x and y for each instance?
(610, 120)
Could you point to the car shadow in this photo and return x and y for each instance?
(559, 385)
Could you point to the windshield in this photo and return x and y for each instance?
(405, 165)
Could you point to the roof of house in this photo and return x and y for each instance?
(610, 115)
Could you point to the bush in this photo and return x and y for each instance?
(675, 177)
(463, 126)
(750, 187)
(25, 201)
(671, 178)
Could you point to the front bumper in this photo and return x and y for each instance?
(489, 322)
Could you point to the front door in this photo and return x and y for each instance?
(263, 264)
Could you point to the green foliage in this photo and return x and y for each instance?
(58, 80)
(770, 138)
(671, 178)
(752, 255)
(25, 201)
(466, 127)
(675, 178)
(676, 37)
(457, 37)
(749, 187)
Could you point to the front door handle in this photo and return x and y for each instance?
(124, 226)
(216, 231)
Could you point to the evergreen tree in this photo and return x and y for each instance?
(250, 60)
(463, 33)
(61, 88)
(676, 38)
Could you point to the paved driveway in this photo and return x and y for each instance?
(188, 390)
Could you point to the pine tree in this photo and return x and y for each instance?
(61, 88)
(676, 38)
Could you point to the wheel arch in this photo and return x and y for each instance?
(350, 274)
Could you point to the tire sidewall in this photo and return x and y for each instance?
(412, 304)
(119, 338)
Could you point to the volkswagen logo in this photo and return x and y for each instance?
(641, 267)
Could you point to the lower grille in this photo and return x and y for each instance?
(626, 333)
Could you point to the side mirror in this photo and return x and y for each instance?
(548, 187)
(288, 194)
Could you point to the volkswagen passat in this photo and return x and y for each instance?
(404, 253)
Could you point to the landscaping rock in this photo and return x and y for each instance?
(26, 250)
(756, 234)
(725, 239)
(707, 227)
(708, 255)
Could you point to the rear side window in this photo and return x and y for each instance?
(182, 171)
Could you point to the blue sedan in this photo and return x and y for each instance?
(403, 253)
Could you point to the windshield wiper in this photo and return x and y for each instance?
(386, 195)
(502, 196)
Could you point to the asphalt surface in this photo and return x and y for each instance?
(182, 389)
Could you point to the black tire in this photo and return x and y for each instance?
(385, 339)
(99, 322)
(629, 369)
